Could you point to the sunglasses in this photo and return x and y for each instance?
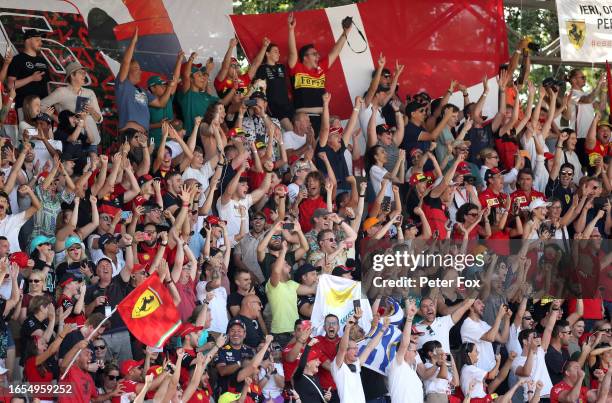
(608, 330)
(99, 347)
(386, 75)
(106, 218)
(36, 281)
(472, 214)
(330, 239)
(567, 173)
(113, 377)
(527, 318)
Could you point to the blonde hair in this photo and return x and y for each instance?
(28, 113)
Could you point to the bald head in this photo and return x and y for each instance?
(250, 306)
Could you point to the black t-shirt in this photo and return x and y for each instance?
(228, 355)
(376, 384)
(226, 176)
(254, 334)
(234, 299)
(307, 391)
(276, 82)
(23, 66)
(337, 162)
(411, 140)
(171, 200)
(554, 189)
(480, 138)
(302, 300)
(69, 341)
(116, 291)
(555, 360)
(30, 325)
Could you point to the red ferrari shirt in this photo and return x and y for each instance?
(309, 84)
(83, 387)
(224, 86)
(600, 150)
(524, 198)
(492, 199)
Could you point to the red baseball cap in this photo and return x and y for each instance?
(128, 365)
(213, 220)
(463, 169)
(187, 328)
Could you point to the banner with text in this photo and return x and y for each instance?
(585, 30)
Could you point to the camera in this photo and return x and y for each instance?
(553, 84)
(469, 179)
(347, 22)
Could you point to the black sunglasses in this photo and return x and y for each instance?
(113, 377)
(99, 347)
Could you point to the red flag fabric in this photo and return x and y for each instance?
(437, 40)
(149, 312)
(609, 81)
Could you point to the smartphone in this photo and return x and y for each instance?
(356, 303)
(152, 141)
(288, 226)
(81, 102)
(125, 215)
(21, 284)
(32, 132)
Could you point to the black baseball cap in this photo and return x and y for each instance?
(32, 33)
(303, 269)
(234, 322)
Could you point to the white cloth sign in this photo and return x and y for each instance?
(585, 30)
(335, 295)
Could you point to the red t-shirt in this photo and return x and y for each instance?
(201, 396)
(328, 348)
(492, 199)
(309, 84)
(562, 386)
(289, 367)
(599, 149)
(223, 86)
(128, 387)
(307, 208)
(31, 374)
(83, 387)
(66, 303)
(524, 199)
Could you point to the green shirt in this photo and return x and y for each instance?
(283, 301)
(193, 103)
(157, 115)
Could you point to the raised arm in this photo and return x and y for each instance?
(335, 52)
(227, 59)
(127, 58)
(375, 80)
(258, 58)
(292, 58)
(410, 312)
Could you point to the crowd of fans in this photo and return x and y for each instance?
(239, 191)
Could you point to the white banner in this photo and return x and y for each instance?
(585, 30)
(335, 295)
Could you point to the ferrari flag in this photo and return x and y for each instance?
(149, 312)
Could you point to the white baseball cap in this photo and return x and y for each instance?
(537, 203)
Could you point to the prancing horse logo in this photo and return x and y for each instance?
(576, 32)
(146, 304)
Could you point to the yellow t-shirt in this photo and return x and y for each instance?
(283, 302)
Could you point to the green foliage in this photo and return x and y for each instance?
(272, 6)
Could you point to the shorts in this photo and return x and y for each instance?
(281, 111)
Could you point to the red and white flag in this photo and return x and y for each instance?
(437, 40)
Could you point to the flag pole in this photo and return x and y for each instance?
(87, 340)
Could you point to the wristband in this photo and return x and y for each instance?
(269, 171)
(356, 109)
(163, 244)
(361, 195)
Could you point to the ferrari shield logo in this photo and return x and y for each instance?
(146, 304)
(576, 32)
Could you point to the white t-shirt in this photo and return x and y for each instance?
(202, 175)
(538, 372)
(469, 373)
(440, 329)
(217, 307)
(377, 175)
(581, 114)
(271, 390)
(9, 228)
(13, 201)
(231, 213)
(350, 389)
(513, 343)
(293, 141)
(404, 384)
(435, 384)
(471, 332)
